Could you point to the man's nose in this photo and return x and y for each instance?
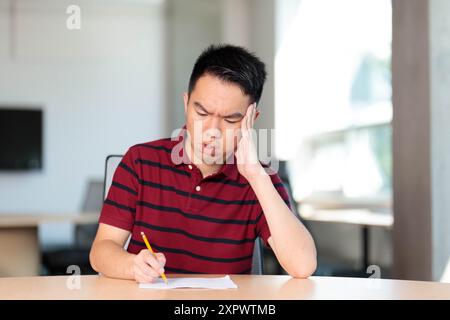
(213, 128)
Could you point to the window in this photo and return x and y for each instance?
(333, 98)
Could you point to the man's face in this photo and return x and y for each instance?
(214, 111)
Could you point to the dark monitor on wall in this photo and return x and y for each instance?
(21, 132)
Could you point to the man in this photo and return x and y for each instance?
(203, 197)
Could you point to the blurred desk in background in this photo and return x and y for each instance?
(359, 217)
(19, 243)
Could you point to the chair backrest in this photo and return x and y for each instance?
(258, 257)
(111, 164)
(85, 233)
(93, 201)
(112, 161)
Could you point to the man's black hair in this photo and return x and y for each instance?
(231, 64)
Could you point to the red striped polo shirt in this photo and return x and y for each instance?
(202, 225)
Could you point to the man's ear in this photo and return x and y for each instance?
(185, 100)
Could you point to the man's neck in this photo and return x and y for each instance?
(208, 170)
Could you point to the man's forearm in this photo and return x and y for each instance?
(293, 243)
(111, 260)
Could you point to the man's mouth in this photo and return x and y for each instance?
(208, 148)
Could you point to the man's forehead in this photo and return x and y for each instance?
(212, 92)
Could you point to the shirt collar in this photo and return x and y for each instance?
(228, 169)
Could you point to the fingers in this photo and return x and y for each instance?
(253, 116)
(143, 273)
(249, 116)
(247, 121)
(244, 123)
(161, 259)
(151, 260)
(148, 266)
(146, 270)
(142, 278)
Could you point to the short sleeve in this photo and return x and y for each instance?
(262, 228)
(119, 207)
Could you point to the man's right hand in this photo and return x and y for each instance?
(148, 266)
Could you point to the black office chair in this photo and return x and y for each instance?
(258, 257)
(56, 260)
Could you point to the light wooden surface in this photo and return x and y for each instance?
(249, 287)
(19, 246)
(19, 251)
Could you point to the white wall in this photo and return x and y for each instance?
(195, 24)
(102, 89)
(192, 26)
(251, 23)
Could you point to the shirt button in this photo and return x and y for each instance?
(198, 188)
(190, 167)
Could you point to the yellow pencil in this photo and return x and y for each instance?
(150, 248)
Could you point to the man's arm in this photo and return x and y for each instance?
(290, 240)
(108, 257)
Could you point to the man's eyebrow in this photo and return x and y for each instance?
(198, 104)
(233, 115)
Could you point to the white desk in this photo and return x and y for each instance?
(359, 217)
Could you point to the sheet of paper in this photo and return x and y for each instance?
(207, 283)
